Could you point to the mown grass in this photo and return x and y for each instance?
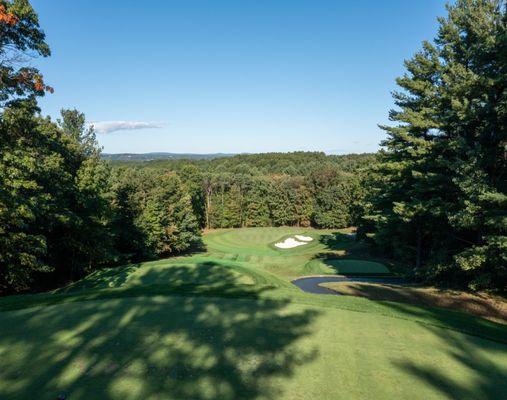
(227, 324)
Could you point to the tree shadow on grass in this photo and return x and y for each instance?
(107, 277)
(489, 379)
(117, 275)
(192, 346)
(172, 277)
(188, 278)
(480, 377)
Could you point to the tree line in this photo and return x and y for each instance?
(272, 189)
(65, 212)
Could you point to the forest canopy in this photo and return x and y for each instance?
(271, 189)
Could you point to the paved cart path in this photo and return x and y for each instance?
(311, 284)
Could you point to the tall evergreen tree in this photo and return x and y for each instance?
(438, 196)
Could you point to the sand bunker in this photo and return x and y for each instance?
(289, 243)
(303, 238)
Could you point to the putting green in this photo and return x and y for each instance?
(261, 241)
(345, 267)
(228, 324)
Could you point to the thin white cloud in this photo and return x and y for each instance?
(114, 126)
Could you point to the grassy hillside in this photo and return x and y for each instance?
(228, 324)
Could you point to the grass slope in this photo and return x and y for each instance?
(227, 324)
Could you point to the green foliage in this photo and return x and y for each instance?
(257, 211)
(273, 189)
(64, 214)
(153, 215)
(290, 201)
(54, 201)
(337, 195)
(437, 197)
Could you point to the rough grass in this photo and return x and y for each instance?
(483, 305)
(227, 324)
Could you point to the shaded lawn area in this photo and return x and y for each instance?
(152, 346)
(166, 347)
(158, 347)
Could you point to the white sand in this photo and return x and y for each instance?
(304, 238)
(289, 243)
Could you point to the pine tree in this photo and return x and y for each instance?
(438, 197)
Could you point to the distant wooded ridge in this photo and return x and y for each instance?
(162, 156)
(201, 156)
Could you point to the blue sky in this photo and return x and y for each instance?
(231, 76)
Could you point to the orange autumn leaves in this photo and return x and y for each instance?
(7, 17)
(21, 39)
(39, 85)
(35, 80)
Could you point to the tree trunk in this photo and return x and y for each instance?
(419, 250)
(207, 208)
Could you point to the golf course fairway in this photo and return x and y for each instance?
(227, 323)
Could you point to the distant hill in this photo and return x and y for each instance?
(162, 156)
